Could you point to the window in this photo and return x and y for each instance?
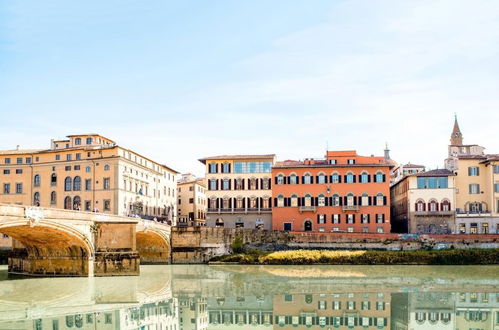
(380, 230)
(28, 160)
(321, 218)
(321, 200)
(307, 179)
(53, 198)
(19, 188)
(19, 171)
(88, 206)
(336, 305)
(321, 178)
(496, 169)
(225, 168)
(350, 178)
(36, 180)
(67, 168)
(107, 205)
(68, 184)
(88, 169)
(380, 199)
(336, 200)
(53, 179)
(473, 171)
(68, 157)
(335, 178)
(88, 184)
(280, 179)
(57, 157)
(365, 218)
(280, 201)
(6, 171)
(253, 184)
(7, 160)
(294, 201)
(462, 228)
(78, 156)
(78, 141)
(380, 218)
(364, 178)
(364, 200)
(107, 183)
(89, 140)
(336, 218)
(350, 218)
(496, 187)
(225, 184)
(212, 168)
(252, 167)
(77, 183)
(213, 184)
(474, 188)
(6, 188)
(420, 206)
(265, 184)
(293, 179)
(19, 160)
(379, 177)
(36, 199)
(351, 161)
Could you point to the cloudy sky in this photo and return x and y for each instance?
(180, 80)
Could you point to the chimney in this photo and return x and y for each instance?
(387, 151)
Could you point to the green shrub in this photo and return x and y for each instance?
(237, 245)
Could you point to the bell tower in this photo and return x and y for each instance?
(456, 138)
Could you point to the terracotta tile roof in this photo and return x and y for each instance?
(437, 172)
(203, 160)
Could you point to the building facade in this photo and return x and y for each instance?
(192, 204)
(344, 192)
(477, 186)
(89, 172)
(424, 203)
(239, 191)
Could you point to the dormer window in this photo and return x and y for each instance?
(351, 161)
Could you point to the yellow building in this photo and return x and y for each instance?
(89, 172)
(239, 191)
(477, 186)
(192, 202)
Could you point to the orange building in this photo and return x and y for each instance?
(343, 193)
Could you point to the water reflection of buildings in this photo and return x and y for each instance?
(250, 312)
(447, 310)
(348, 310)
(193, 314)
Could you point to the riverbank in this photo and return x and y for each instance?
(328, 257)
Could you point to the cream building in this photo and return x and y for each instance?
(477, 186)
(192, 202)
(89, 172)
(239, 191)
(424, 203)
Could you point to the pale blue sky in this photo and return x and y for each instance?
(180, 80)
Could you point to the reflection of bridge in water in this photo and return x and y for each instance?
(257, 297)
(53, 242)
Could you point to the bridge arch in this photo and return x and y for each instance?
(48, 248)
(153, 246)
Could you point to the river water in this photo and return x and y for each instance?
(258, 297)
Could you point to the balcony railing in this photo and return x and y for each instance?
(308, 208)
(239, 210)
(473, 213)
(350, 207)
(433, 213)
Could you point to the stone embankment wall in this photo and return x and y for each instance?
(199, 245)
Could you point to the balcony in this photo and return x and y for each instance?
(434, 213)
(473, 213)
(351, 208)
(307, 209)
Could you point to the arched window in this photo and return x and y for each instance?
(280, 179)
(77, 183)
(78, 141)
(68, 184)
(265, 183)
(364, 177)
(53, 198)
(321, 201)
(53, 179)
(350, 199)
(321, 178)
(335, 178)
(280, 201)
(36, 180)
(68, 205)
(364, 201)
(239, 202)
(308, 200)
(336, 200)
(213, 184)
(253, 202)
(445, 206)
(36, 199)
(239, 184)
(225, 203)
(225, 184)
(253, 184)
(420, 206)
(433, 206)
(77, 203)
(219, 222)
(294, 200)
(307, 225)
(307, 179)
(106, 167)
(213, 203)
(350, 178)
(380, 199)
(293, 179)
(379, 177)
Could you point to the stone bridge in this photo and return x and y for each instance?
(56, 242)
